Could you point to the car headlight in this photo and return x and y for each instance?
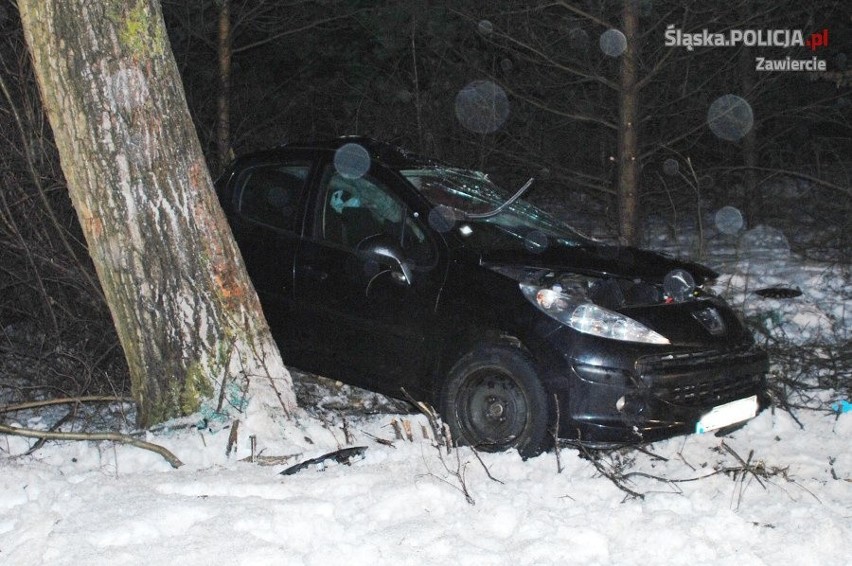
(574, 309)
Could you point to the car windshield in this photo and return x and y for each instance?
(459, 193)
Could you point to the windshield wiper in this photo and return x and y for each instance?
(499, 209)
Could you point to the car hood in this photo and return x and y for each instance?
(616, 261)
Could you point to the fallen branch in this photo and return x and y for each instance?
(94, 436)
(614, 475)
(671, 480)
(63, 401)
(747, 467)
(378, 439)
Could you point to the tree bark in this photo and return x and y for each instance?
(628, 136)
(186, 314)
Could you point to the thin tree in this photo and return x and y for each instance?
(628, 188)
(240, 28)
(186, 314)
(223, 99)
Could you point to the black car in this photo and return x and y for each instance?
(395, 272)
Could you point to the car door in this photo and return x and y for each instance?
(267, 218)
(368, 324)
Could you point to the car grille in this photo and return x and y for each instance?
(704, 379)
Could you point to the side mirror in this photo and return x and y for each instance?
(382, 249)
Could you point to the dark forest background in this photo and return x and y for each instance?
(416, 74)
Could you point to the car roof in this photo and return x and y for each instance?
(387, 154)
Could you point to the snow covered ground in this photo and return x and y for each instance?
(778, 491)
(103, 504)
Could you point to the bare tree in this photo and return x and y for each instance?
(601, 95)
(186, 314)
(627, 188)
(225, 51)
(243, 30)
(628, 125)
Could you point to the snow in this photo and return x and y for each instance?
(102, 504)
(778, 491)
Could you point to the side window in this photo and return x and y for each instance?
(269, 194)
(355, 209)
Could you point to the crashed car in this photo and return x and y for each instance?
(415, 279)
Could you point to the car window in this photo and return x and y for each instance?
(355, 209)
(270, 194)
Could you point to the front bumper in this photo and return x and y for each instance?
(651, 396)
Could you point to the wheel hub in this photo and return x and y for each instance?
(495, 409)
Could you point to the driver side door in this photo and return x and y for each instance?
(363, 323)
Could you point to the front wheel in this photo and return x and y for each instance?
(493, 400)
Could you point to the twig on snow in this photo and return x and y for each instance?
(484, 467)
(613, 475)
(555, 431)
(459, 474)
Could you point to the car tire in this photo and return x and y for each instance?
(494, 400)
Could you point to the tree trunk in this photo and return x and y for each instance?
(628, 137)
(752, 196)
(223, 122)
(187, 316)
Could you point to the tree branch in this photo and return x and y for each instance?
(112, 436)
(64, 401)
(287, 32)
(581, 13)
(845, 190)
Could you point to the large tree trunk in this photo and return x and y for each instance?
(628, 136)
(186, 314)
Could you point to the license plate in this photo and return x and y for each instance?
(728, 414)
